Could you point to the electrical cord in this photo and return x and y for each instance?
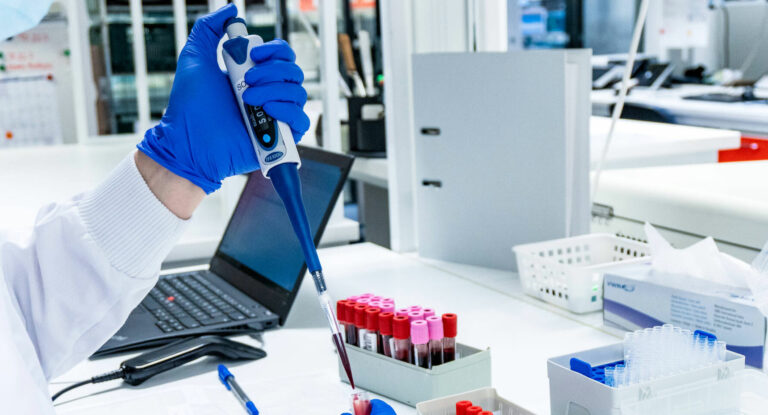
(619, 107)
(115, 374)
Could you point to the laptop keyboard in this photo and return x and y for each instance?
(190, 301)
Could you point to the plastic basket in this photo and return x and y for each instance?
(569, 272)
(487, 398)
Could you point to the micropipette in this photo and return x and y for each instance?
(279, 160)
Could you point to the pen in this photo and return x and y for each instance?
(228, 379)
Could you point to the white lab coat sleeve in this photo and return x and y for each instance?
(86, 264)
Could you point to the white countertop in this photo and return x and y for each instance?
(33, 177)
(522, 333)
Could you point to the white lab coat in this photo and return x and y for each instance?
(70, 282)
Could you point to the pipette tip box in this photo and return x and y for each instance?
(710, 387)
(410, 384)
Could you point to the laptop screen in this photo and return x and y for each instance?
(259, 240)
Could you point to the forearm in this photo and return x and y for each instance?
(177, 194)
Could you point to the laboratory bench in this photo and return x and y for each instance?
(750, 118)
(522, 334)
(32, 177)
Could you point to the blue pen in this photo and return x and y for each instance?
(228, 379)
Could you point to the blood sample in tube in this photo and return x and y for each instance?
(435, 325)
(371, 340)
(350, 328)
(341, 315)
(385, 332)
(401, 332)
(360, 323)
(420, 340)
(449, 337)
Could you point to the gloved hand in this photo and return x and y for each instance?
(378, 407)
(202, 136)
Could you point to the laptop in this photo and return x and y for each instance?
(255, 274)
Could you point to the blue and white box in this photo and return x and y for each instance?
(636, 297)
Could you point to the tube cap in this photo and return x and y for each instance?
(349, 311)
(461, 407)
(486, 413)
(414, 308)
(341, 310)
(360, 315)
(388, 300)
(353, 298)
(385, 323)
(474, 410)
(372, 318)
(388, 308)
(366, 295)
(364, 300)
(376, 298)
(449, 325)
(435, 325)
(402, 312)
(375, 304)
(416, 315)
(401, 327)
(419, 332)
(428, 312)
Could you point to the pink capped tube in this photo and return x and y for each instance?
(364, 300)
(402, 312)
(428, 312)
(435, 325)
(353, 298)
(416, 315)
(414, 308)
(420, 340)
(388, 300)
(366, 295)
(376, 304)
(376, 298)
(388, 308)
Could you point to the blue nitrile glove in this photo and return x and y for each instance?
(378, 407)
(202, 136)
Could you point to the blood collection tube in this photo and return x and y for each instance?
(402, 312)
(366, 295)
(414, 308)
(428, 312)
(385, 333)
(376, 298)
(353, 298)
(461, 407)
(349, 327)
(371, 339)
(435, 325)
(360, 403)
(375, 304)
(401, 332)
(449, 337)
(341, 315)
(416, 315)
(486, 413)
(388, 308)
(388, 300)
(360, 323)
(420, 340)
(474, 410)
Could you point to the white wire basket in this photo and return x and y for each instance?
(569, 272)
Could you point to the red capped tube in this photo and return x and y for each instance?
(449, 337)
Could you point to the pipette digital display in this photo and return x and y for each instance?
(279, 161)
